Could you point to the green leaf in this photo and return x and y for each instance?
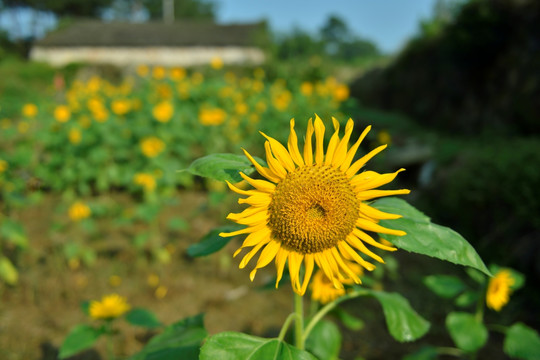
(8, 272)
(402, 321)
(426, 238)
(180, 340)
(178, 224)
(466, 299)
(350, 321)
(444, 285)
(324, 340)
(468, 333)
(476, 275)
(238, 346)
(222, 167)
(80, 338)
(425, 353)
(85, 307)
(14, 233)
(143, 317)
(522, 342)
(212, 242)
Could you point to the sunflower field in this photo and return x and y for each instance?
(122, 200)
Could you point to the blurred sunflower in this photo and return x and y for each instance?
(110, 307)
(163, 112)
(324, 291)
(79, 211)
(152, 146)
(499, 288)
(62, 113)
(29, 110)
(3, 165)
(312, 209)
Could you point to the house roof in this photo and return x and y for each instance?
(181, 33)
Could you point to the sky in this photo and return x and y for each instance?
(389, 23)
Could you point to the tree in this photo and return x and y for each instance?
(183, 9)
(80, 8)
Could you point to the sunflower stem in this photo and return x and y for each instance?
(449, 351)
(299, 323)
(327, 308)
(109, 340)
(286, 324)
(479, 315)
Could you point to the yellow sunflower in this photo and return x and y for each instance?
(499, 288)
(313, 209)
(110, 307)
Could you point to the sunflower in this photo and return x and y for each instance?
(110, 307)
(322, 289)
(312, 210)
(499, 288)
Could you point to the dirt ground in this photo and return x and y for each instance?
(36, 315)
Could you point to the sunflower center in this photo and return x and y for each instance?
(312, 209)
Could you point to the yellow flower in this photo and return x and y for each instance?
(79, 211)
(258, 73)
(212, 116)
(241, 108)
(62, 113)
(281, 100)
(100, 115)
(499, 288)
(142, 70)
(216, 63)
(313, 208)
(383, 137)
(306, 88)
(323, 290)
(23, 127)
(152, 146)
(197, 78)
(178, 73)
(121, 106)
(163, 111)
(3, 165)
(158, 72)
(110, 307)
(341, 92)
(75, 136)
(152, 280)
(147, 181)
(29, 110)
(160, 292)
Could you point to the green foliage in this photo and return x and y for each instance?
(87, 8)
(184, 9)
(425, 237)
(324, 340)
(403, 323)
(467, 331)
(142, 317)
(212, 242)
(238, 346)
(80, 338)
(444, 285)
(180, 340)
(425, 353)
(522, 342)
(223, 167)
(8, 272)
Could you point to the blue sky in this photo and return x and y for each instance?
(387, 22)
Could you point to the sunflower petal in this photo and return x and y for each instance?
(308, 260)
(377, 181)
(332, 145)
(319, 140)
(240, 191)
(273, 163)
(281, 259)
(292, 145)
(280, 152)
(260, 185)
(260, 199)
(252, 253)
(376, 214)
(308, 150)
(247, 230)
(371, 226)
(266, 172)
(344, 247)
(341, 150)
(363, 160)
(352, 151)
(371, 194)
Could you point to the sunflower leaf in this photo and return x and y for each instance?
(402, 321)
(142, 317)
(444, 285)
(231, 345)
(80, 338)
(222, 167)
(522, 342)
(212, 242)
(426, 238)
(324, 341)
(468, 333)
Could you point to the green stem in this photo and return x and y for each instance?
(449, 351)
(286, 325)
(327, 308)
(499, 328)
(479, 315)
(299, 323)
(109, 341)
